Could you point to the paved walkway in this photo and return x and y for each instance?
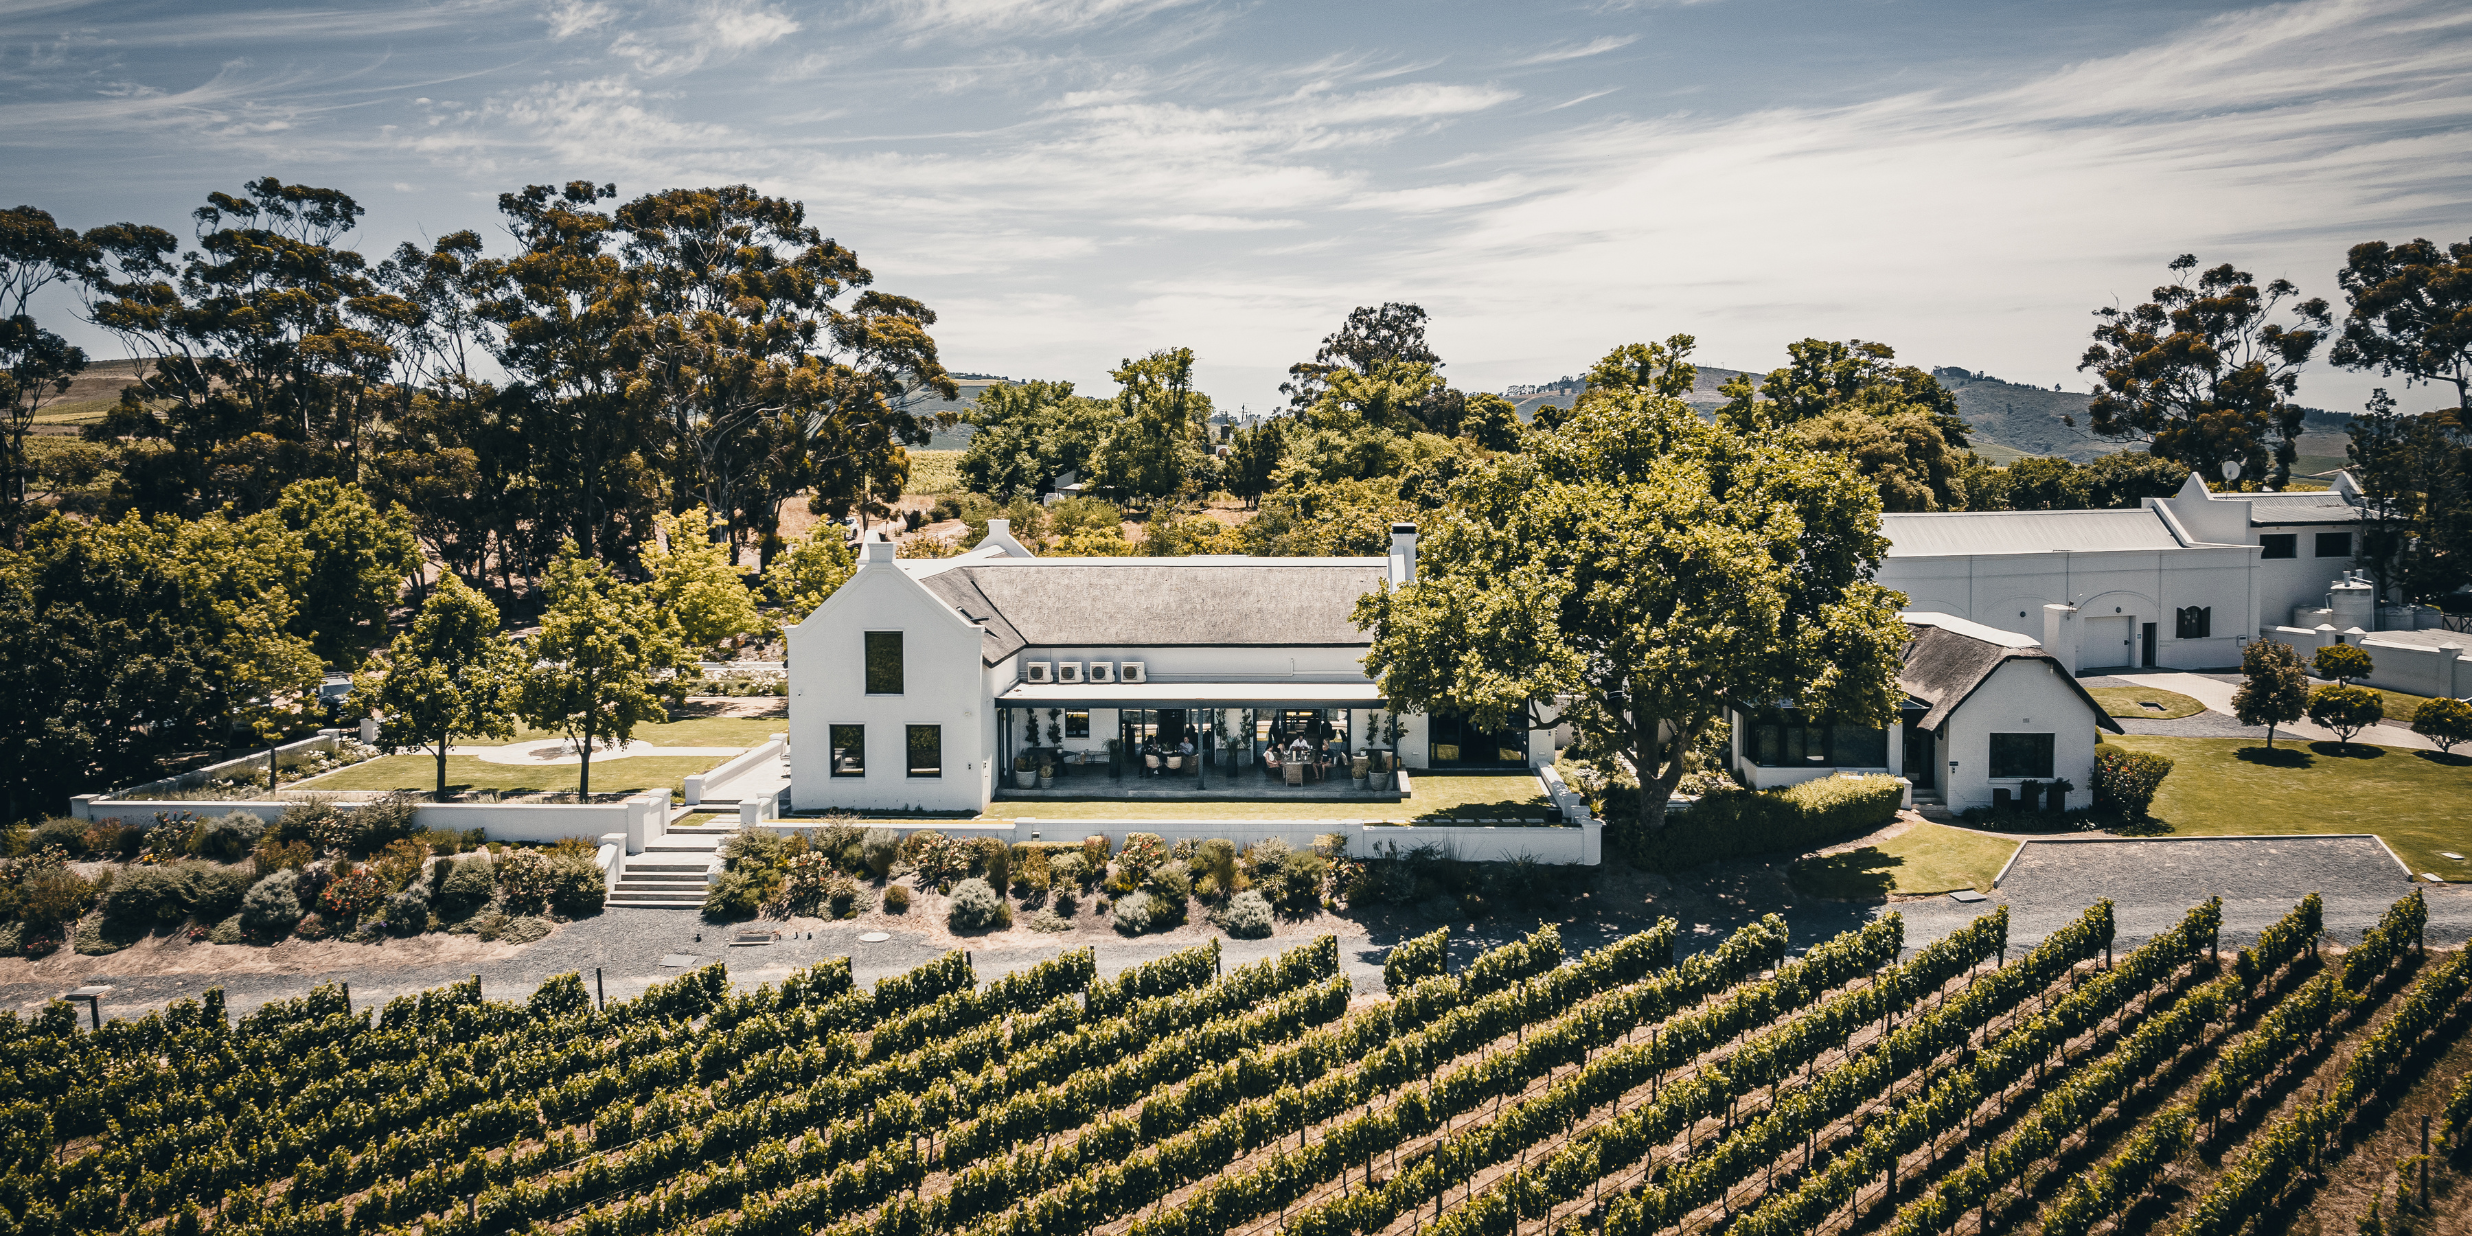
(2216, 695)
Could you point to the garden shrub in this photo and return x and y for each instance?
(2126, 781)
(1743, 822)
(381, 822)
(1216, 859)
(1049, 921)
(736, 895)
(1143, 853)
(468, 884)
(992, 859)
(64, 832)
(804, 885)
(880, 846)
(276, 854)
(272, 905)
(841, 895)
(897, 899)
(407, 912)
(1170, 882)
(975, 906)
(141, 894)
(1094, 854)
(1298, 881)
(317, 822)
(1247, 916)
(215, 895)
(229, 837)
(1067, 871)
(524, 878)
(935, 857)
(1134, 913)
(401, 863)
(227, 932)
(46, 895)
(351, 894)
(577, 885)
(1262, 859)
(1031, 874)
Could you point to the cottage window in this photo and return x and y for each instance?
(926, 745)
(1077, 723)
(2020, 755)
(849, 744)
(884, 663)
(1785, 738)
(2334, 545)
(2196, 622)
(2280, 545)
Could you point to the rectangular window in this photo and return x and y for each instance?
(2020, 755)
(2280, 545)
(926, 750)
(2334, 545)
(849, 744)
(2195, 622)
(1077, 723)
(884, 663)
(1784, 738)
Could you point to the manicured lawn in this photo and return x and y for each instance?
(464, 772)
(1466, 798)
(2132, 701)
(2399, 706)
(2419, 801)
(1927, 858)
(692, 732)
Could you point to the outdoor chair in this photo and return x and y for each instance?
(1175, 762)
(1152, 762)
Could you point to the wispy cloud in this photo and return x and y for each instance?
(1592, 47)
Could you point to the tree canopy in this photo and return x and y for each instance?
(2204, 373)
(599, 658)
(1896, 423)
(1655, 570)
(451, 674)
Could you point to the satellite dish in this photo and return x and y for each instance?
(2231, 469)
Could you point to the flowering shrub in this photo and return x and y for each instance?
(804, 886)
(352, 894)
(524, 876)
(1142, 854)
(935, 857)
(2126, 781)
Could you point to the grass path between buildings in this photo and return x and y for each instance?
(2419, 802)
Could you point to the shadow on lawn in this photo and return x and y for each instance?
(2347, 751)
(2448, 758)
(1867, 874)
(2277, 757)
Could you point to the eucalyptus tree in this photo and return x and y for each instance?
(600, 659)
(2203, 373)
(36, 365)
(2411, 313)
(1654, 570)
(265, 347)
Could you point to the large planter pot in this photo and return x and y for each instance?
(1025, 780)
(1381, 781)
(1357, 782)
(1047, 780)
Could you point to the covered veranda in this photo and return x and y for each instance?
(1271, 741)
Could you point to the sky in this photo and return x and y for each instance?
(1071, 182)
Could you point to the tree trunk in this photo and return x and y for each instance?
(440, 796)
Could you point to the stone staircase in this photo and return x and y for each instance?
(671, 873)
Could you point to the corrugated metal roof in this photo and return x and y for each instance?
(2320, 507)
(2023, 532)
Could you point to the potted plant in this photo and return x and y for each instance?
(1047, 776)
(1024, 775)
(1358, 767)
(1055, 727)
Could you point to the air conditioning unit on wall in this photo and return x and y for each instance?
(1132, 671)
(1042, 671)
(1102, 671)
(1068, 671)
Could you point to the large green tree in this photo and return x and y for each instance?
(599, 659)
(1896, 423)
(134, 640)
(694, 582)
(2415, 476)
(354, 563)
(266, 348)
(36, 366)
(1029, 433)
(1159, 445)
(2411, 313)
(2204, 373)
(1654, 570)
(450, 675)
(1373, 336)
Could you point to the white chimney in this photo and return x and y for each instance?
(876, 548)
(1402, 555)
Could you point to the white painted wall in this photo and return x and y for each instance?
(1581, 844)
(944, 683)
(2409, 668)
(2131, 587)
(2021, 697)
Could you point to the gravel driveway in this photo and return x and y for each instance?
(2152, 883)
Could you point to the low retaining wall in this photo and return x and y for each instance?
(709, 784)
(1581, 844)
(288, 754)
(639, 819)
(2409, 668)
